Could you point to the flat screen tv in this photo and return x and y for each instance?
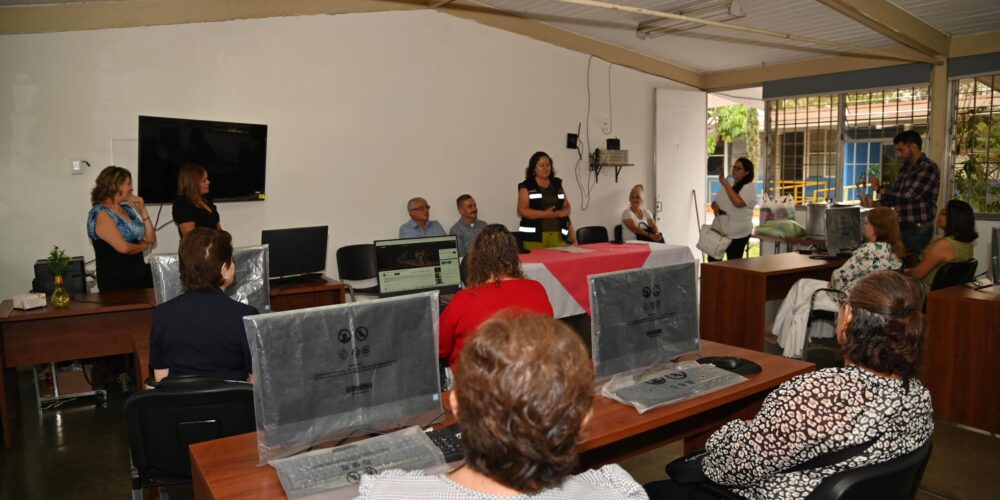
(234, 154)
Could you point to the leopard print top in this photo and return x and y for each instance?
(816, 414)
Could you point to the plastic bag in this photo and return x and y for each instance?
(778, 208)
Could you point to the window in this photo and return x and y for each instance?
(975, 159)
(810, 160)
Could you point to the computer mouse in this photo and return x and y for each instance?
(732, 364)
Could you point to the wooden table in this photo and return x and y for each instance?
(105, 324)
(734, 294)
(961, 356)
(227, 468)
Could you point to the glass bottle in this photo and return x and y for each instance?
(60, 297)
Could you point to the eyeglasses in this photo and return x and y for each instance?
(425, 207)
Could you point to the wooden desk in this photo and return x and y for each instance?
(106, 324)
(227, 468)
(961, 355)
(734, 294)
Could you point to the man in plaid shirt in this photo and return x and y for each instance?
(914, 194)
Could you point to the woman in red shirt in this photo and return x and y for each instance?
(495, 282)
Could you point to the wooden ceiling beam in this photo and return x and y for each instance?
(897, 24)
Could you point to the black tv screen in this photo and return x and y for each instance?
(234, 154)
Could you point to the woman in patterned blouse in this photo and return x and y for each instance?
(875, 402)
(884, 250)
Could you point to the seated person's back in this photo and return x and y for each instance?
(495, 282)
(523, 392)
(875, 399)
(201, 332)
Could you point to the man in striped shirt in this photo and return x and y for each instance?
(914, 193)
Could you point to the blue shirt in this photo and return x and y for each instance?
(410, 229)
(466, 234)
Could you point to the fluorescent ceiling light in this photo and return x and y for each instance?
(717, 10)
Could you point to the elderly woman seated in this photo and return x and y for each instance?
(523, 393)
(875, 401)
(201, 332)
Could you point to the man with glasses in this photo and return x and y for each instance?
(420, 225)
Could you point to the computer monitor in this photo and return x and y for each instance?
(417, 265)
(843, 229)
(296, 251)
(330, 372)
(642, 317)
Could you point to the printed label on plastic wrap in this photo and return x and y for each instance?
(642, 317)
(671, 383)
(316, 471)
(329, 372)
(250, 283)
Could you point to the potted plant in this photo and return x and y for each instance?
(58, 264)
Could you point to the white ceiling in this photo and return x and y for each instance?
(709, 49)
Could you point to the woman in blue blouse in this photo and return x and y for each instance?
(120, 230)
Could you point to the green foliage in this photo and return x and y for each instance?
(729, 123)
(977, 159)
(58, 261)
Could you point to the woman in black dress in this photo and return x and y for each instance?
(192, 208)
(120, 230)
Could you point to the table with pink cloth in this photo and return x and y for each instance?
(564, 274)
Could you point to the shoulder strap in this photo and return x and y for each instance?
(835, 457)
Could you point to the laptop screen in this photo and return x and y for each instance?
(417, 265)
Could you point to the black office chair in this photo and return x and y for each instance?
(180, 411)
(954, 273)
(809, 347)
(591, 234)
(897, 479)
(357, 262)
(618, 233)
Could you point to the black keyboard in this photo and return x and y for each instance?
(449, 441)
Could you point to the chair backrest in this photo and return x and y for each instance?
(591, 234)
(357, 262)
(954, 273)
(892, 480)
(618, 232)
(183, 410)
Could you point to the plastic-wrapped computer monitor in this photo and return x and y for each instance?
(843, 229)
(250, 284)
(331, 372)
(642, 317)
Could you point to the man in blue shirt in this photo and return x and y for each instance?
(420, 224)
(468, 226)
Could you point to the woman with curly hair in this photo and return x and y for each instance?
(118, 225)
(495, 282)
(523, 395)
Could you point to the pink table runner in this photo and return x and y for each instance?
(572, 269)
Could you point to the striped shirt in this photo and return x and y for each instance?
(914, 194)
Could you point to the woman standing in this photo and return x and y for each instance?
(120, 230)
(192, 208)
(638, 220)
(543, 206)
(734, 204)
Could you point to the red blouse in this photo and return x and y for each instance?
(472, 306)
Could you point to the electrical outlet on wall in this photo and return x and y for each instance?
(606, 126)
(77, 165)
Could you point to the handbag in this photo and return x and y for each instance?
(713, 240)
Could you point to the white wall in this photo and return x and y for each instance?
(363, 111)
